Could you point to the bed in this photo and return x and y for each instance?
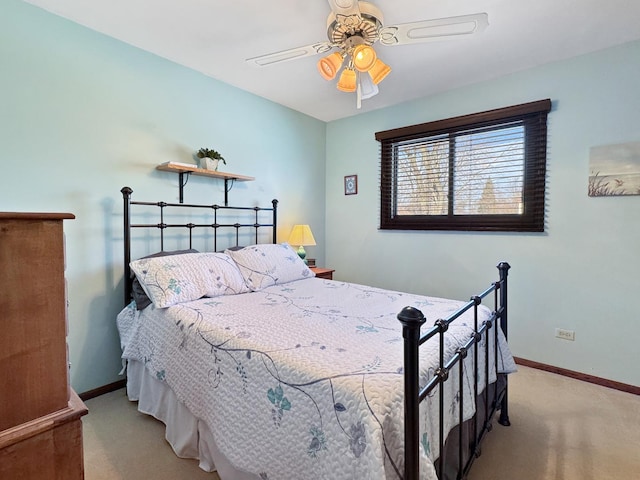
(262, 371)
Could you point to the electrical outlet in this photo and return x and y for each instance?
(565, 334)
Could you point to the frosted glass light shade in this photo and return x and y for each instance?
(328, 66)
(364, 58)
(379, 71)
(347, 82)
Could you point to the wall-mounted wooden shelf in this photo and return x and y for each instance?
(183, 169)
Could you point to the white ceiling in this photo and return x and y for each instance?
(215, 38)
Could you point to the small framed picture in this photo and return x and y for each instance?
(350, 184)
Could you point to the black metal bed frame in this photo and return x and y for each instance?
(162, 226)
(411, 318)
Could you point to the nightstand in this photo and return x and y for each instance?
(325, 273)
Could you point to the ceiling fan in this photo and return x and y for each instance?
(352, 28)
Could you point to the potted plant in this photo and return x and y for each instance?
(210, 158)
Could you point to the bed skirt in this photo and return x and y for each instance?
(189, 436)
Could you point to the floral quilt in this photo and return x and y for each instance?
(303, 380)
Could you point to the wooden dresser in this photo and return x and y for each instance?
(40, 415)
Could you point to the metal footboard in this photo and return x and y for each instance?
(412, 319)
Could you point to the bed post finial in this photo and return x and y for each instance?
(504, 269)
(411, 319)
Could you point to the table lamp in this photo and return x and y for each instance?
(301, 236)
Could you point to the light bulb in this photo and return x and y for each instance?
(364, 57)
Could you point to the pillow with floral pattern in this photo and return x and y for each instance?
(269, 264)
(182, 278)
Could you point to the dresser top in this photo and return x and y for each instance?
(36, 216)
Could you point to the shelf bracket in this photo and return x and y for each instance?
(227, 189)
(183, 182)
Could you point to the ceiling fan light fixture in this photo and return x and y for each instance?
(347, 81)
(328, 66)
(379, 71)
(364, 57)
(353, 28)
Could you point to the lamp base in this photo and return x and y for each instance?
(302, 254)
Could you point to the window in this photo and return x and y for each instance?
(484, 171)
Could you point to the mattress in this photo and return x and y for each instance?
(304, 379)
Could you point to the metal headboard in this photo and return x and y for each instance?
(162, 226)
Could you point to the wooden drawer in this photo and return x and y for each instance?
(33, 351)
(48, 447)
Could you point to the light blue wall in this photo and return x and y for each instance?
(82, 115)
(582, 274)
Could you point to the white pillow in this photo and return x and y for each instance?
(269, 264)
(183, 278)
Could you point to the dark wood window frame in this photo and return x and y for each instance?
(533, 116)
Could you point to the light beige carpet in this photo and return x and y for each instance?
(561, 429)
(121, 443)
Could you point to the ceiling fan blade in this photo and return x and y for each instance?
(345, 8)
(291, 54)
(426, 30)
